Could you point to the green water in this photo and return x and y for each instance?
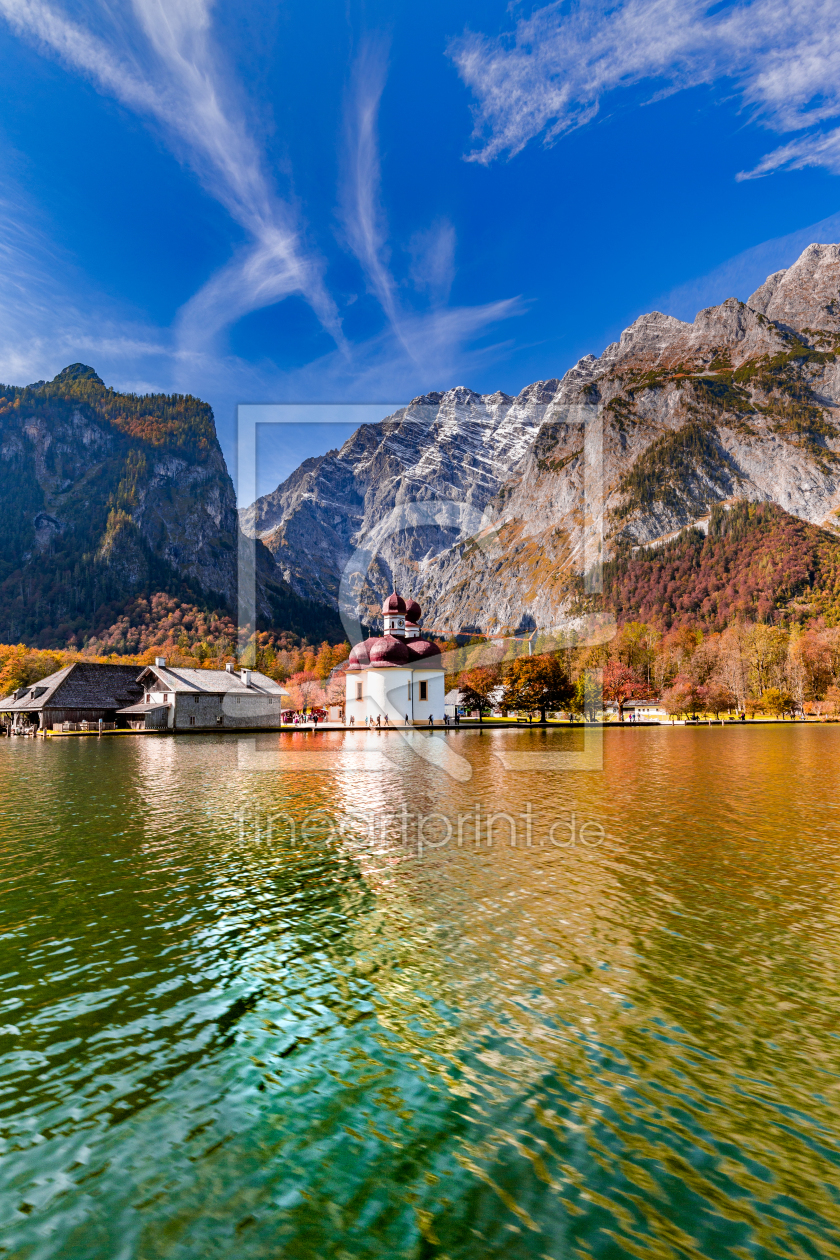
(218, 1043)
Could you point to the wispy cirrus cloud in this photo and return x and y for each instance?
(50, 316)
(813, 150)
(433, 260)
(445, 346)
(361, 213)
(416, 342)
(159, 60)
(550, 75)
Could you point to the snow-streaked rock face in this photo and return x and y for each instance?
(455, 449)
(743, 402)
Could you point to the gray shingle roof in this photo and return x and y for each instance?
(151, 707)
(209, 681)
(82, 685)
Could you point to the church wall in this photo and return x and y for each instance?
(433, 705)
(385, 692)
(392, 692)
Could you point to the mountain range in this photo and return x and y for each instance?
(476, 503)
(488, 509)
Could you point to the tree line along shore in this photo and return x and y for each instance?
(747, 668)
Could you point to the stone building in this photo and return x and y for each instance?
(204, 699)
(398, 678)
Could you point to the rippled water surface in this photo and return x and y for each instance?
(217, 1042)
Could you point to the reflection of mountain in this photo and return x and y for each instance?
(743, 403)
(108, 498)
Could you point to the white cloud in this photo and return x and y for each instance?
(433, 260)
(416, 343)
(551, 74)
(49, 316)
(174, 77)
(814, 150)
(361, 213)
(443, 350)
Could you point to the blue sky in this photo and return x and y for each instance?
(362, 202)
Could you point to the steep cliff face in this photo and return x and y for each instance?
(415, 483)
(804, 298)
(108, 496)
(743, 403)
(733, 406)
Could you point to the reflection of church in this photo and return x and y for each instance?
(399, 676)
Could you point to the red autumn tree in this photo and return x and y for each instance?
(682, 697)
(621, 683)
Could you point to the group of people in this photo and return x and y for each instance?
(301, 719)
(383, 720)
(378, 724)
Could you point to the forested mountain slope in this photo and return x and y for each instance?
(757, 563)
(107, 498)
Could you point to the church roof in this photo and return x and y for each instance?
(391, 652)
(394, 604)
(421, 649)
(381, 653)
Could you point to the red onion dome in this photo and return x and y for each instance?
(413, 611)
(394, 604)
(422, 648)
(359, 657)
(388, 651)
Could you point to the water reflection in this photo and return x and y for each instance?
(227, 1042)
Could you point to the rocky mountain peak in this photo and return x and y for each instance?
(806, 295)
(109, 498)
(541, 392)
(732, 331)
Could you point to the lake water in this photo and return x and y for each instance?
(217, 1042)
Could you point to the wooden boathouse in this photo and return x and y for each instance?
(157, 697)
(81, 692)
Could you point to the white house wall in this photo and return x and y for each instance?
(434, 705)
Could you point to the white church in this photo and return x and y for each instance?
(398, 678)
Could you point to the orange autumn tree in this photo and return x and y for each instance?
(306, 691)
(537, 682)
(477, 686)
